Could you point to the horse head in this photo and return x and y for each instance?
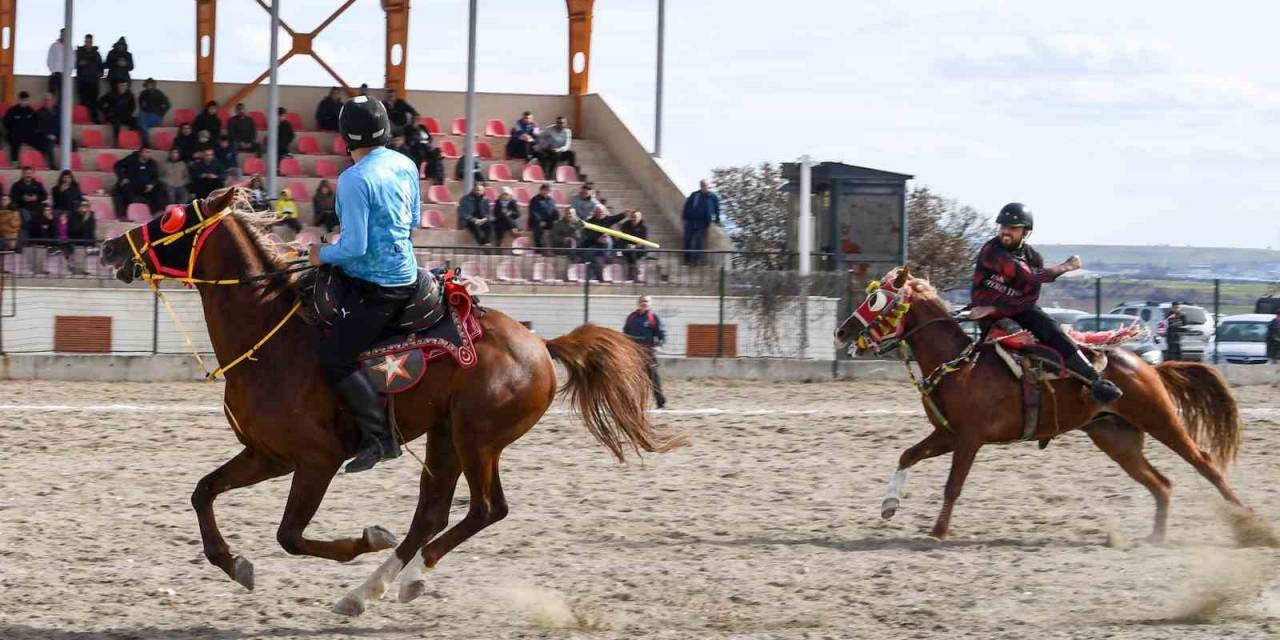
(169, 243)
(882, 317)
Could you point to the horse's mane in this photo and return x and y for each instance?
(256, 226)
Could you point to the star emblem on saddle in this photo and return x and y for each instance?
(392, 366)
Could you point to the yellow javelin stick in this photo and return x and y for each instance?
(620, 235)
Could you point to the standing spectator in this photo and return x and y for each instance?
(206, 175)
(645, 327)
(138, 180)
(524, 135)
(324, 206)
(119, 62)
(243, 132)
(401, 114)
(12, 232)
(632, 253)
(1273, 339)
(1174, 326)
(66, 195)
(584, 202)
(153, 104)
(208, 120)
(553, 147)
(174, 177)
(228, 161)
(22, 125)
(478, 173)
(49, 124)
(566, 233)
(185, 142)
(700, 210)
(27, 193)
(55, 60)
(542, 214)
(364, 89)
(257, 193)
(118, 108)
(287, 211)
(506, 216)
(89, 76)
(474, 214)
(284, 135)
(328, 109)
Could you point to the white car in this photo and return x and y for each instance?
(1065, 318)
(1195, 334)
(1242, 339)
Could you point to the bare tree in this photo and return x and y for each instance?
(943, 237)
(754, 206)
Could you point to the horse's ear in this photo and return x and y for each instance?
(904, 274)
(219, 200)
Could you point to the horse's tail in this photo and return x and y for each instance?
(609, 388)
(1208, 409)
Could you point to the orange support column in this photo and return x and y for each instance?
(8, 37)
(579, 54)
(397, 43)
(206, 25)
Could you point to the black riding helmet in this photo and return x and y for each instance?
(1016, 214)
(363, 122)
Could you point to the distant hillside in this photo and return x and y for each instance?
(1163, 261)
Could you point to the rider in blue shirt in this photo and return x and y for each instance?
(378, 207)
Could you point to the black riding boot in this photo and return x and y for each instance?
(1103, 391)
(377, 442)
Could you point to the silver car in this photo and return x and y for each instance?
(1242, 339)
(1144, 347)
(1195, 334)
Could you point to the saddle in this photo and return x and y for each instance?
(440, 318)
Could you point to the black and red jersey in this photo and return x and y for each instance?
(1009, 280)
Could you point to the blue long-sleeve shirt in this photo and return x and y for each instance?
(702, 208)
(645, 327)
(378, 207)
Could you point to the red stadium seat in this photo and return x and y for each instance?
(432, 125)
(92, 139)
(259, 120)
(90, 185)
(495, 128)
(522, 196)
(105, 162)
(438, 194)
(308, 145)
(77, 163)
(567, 173)
(559, 197)
(432, 219)
(484, 151)
(162, 140)
(339, 146)
(459, 127)
(4, 160)
(449, 149)
(183, 116)
(499, 172)
(102, 209)
(290, 167)
(295, 120)
(326, 169)
(80, 115)
(490, 194)
(299, 191)
(138, 212)
(532, 173)
(254, 166)
(32, 158)
(128, 140)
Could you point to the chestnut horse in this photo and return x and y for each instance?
(981, 401)
(289, 421)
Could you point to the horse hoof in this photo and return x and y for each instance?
(889, 508)
(348, 606)
(409, 591)
(379, 538)
(242, 572)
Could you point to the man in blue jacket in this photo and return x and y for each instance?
(700, 210)
(646, 329)
(378, 206)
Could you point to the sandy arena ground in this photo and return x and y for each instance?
(767, 527)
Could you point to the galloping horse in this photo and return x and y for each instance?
(289, 421)
(980, 401)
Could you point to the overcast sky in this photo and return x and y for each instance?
(1136, 122)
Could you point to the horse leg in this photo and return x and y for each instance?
(245, 469)
(1123, 443)
(305, 495)
(1168, 429)
(933, 445)
(961, 462)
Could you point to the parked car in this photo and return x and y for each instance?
(1242, 339)
(1144, 347)
(1195, 334)
(1064, 317)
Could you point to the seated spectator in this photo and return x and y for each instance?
(204, 142)
(28, 194)
(83, 226)
(284, 134)
(206, 174)
(397, 144)
(153, 104)
(542, 214)
(401, 114)
(242, 130)
(287, 211)
(119, 62)
(12, 233)
(524, 135)
(118, 109)
(41, 231)
(257, 193)
(175, 178)
(428, 156)
(479, 173)
(553, 147)
(324, 205)
(21, 125)
(632, 253)
(62, 241)
(137, 180)
(598, 244)
(185, 142)
(328, 109)
(474, 214)
(66, 194)
(49, 117)
(566, 233)
(228, 161)
(506, 216)
(584, 202)
(208, 120)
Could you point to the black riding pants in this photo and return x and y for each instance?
(364, 314)
(1049, 332)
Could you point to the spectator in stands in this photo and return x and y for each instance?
(566, 233)
(243, 132)
(645, 327)
(478, 173)
(153, 104)
(138, 180)
(324, 206)
(597, 243)
(49, 122)
(287, 211)
(328, 109)
(204, 142)
(27, 193)
(62, 241)
(423, 152)
(228, 161)
(118, 108)
(401, 114)
(524, 136)
(119, 62)
(474, 214)
(397, 144)
(40, 229)
(66, 194)
(584, 202)
(12, 232)
(284, 134)
(506, 216)
(364, 89)
(83, 225)
(206, 175)
(175, 177)
(185, 142)
(542, 214)
(700, 210)
(553, 147)
(631, 252)
(54, 61)
(208, 120)
(257, 193)
(89, 76)
(22, 126)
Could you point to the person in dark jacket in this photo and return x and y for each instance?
(66, 194)
(27, 193)
(49, 123)
(41, 230)
(474, 214)
(119, 62)
(429, 156)
(701, 208)
(206, 174)
(242, 130)
(328, 109)
(83, 227)
(1273, 339)
(646, 329)
(462, 160)
(153, 104)
(1006, 284)
(506, 216)
(208, 120)
(284, 134)
(324, 207)
(228, 160)
(524, 136)
(185, 142)
(22, 126)
(542, 215)
(1174, 326)
(119, 108)
(89, 76)
(597, 243)
(632, 253)
(401, 113)
(138, 180)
